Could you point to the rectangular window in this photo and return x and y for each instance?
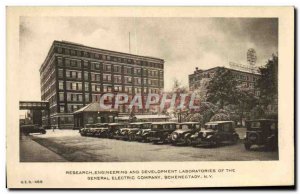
(79, 75)
(59, 50)
(137, 81)
(127, 70)
(85, 64)
(86, 76)
(74, 97)
(60, 85)
(79, 86)
(61, 97)
(128, 90)
(93, 77)
(73, 74)
(61, 108)
(69, 97)
(80, 97)
(69, 85)
(70, 108)
(107, 77)
(145, 81)
(87, 97)
(117, 79)
(118, 88)
(107, 68)
(137, 71)
(67, 62)
(60, 73)
(86, 86)
(107, 88)
(67, 51)
(68, 74)
(60, 62)
(95, 66)
(98, 88)
(74, 86)
(117, 69)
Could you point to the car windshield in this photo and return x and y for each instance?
(211, 126)
(185, 127)
(255, 124)
(145, 126)
(163, 126)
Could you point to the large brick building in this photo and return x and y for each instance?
(74, 75)
(200, 80)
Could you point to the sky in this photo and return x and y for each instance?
(184, 43)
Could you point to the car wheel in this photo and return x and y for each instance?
(235, 139)
(188, 141)
(247, 146)
(270, 145)
(215, 143)
(130, 137)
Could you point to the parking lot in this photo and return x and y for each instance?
(71, 146)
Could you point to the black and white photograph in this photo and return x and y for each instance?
(166, 92)
(147, 72)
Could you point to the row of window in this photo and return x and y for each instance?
(74, 63)
(210, 75)
(106, 88)
(98, 56)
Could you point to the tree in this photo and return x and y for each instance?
(246, 101)
(222, 88)
(257, 113)
(220, 117)
(197, 117)
(267, 84)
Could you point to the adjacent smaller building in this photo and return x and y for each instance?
(201, 78)
(92, 113)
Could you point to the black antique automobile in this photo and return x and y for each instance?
(113, 129)
(160, 132)
(134, 131)
(99, 129)
(215, 133)
(183, 133)
(262, 132)
(88, 130)
(27, 129)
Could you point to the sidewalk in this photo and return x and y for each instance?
(31, 151)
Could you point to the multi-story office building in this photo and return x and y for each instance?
(74, 75)
(200, 80)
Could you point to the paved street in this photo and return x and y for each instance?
(73, 147)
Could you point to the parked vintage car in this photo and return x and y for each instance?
(183, 133)
(88, 130)
(121, 133)
(27, 129)
(113, 129)
(160, 132)
(215, 133)
(262, 132)
(130, 133)
(99, 129)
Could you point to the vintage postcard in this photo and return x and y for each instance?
(150, 97)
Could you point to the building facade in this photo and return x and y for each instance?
(74, 75)
(200, 80)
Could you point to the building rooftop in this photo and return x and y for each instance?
(94, 49)
(213, 68)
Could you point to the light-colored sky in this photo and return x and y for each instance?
(184, 43)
